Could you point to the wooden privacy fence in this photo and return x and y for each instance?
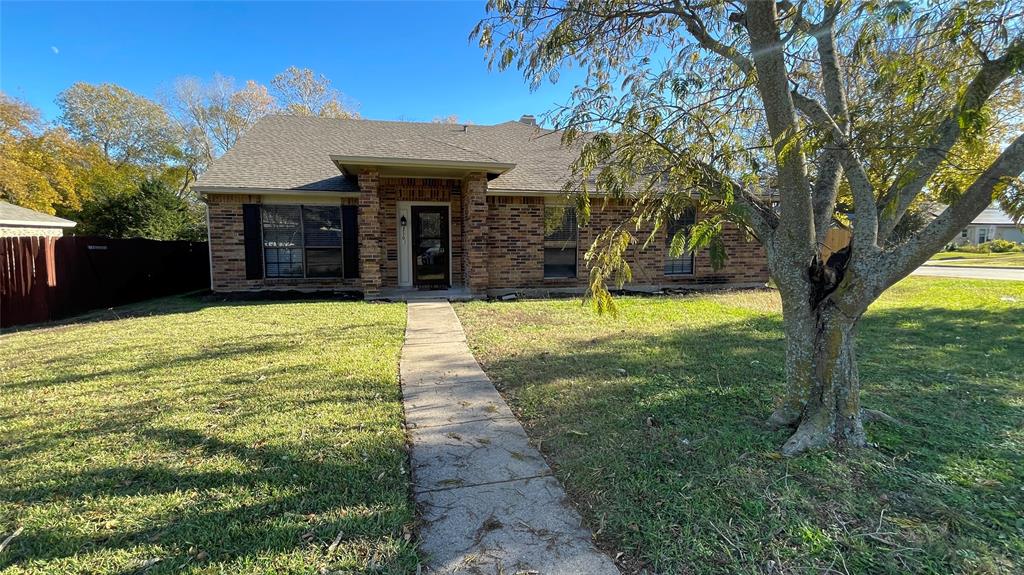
(836, 239)
(43, 279)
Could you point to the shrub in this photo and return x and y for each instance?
(975, 249)
(989, 247)
(1003, 246)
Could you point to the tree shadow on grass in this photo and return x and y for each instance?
(660, 440)
(81, 367)
(179, 304)
(232, 455)
(288, 500)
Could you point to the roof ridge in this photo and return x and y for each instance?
(464, 149)
(377, 121)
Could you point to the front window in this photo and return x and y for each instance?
(560, 234)
(682, 264)
(302, 241)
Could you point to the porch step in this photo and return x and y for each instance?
(409, 294)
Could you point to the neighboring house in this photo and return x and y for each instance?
(991, 224)
(16, 221)
(304, 203)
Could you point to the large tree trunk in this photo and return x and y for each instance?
(831, 413)
(822, 397)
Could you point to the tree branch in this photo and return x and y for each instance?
(696, 29)
(907, 257)
(830, 167)
(826, 188)
(920, 169)
(865, 240)
(796, 216)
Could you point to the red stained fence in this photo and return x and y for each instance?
(44, 279)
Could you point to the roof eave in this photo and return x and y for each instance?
(352, 165)
(241, 190)
(38, 224)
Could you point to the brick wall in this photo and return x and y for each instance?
(475, 225)
(227, 251)
(371, 246)
(516, 250)
(394, 190)
(515, 244)
(506, 230)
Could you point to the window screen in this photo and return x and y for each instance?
(321, 227)
(560, 233)
(682, 265)
(302, 241)
(282, 241)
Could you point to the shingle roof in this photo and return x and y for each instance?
(993, 216)
(12, 215)
(294, 153)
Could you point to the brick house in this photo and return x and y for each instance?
(385, 208)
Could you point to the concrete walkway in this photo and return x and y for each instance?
(487, 500)
(970, 272)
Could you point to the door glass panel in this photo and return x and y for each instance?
(431, 259)
(430, 247)
(430, 225)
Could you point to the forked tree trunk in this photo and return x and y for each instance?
(822, 401)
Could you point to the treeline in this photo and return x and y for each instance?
(122, 165)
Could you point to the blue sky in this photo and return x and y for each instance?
(399, 60)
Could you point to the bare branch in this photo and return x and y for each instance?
(826, 188)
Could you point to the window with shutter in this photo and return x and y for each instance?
(302, 241)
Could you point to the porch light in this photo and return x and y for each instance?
(404, 222)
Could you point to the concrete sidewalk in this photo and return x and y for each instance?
(487, 500)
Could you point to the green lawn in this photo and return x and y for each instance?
(207, 438)
(1004, 260)
(653, 421)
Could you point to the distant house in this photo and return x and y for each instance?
(16, 221)
(991, 224)
(385, 207)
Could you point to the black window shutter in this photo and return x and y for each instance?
(252, 229)
(350, 240)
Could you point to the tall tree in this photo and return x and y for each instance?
(449, 119)
(765, 115)
(303, 92)
(215, 114)
(127, 127)
(154, 210)
(39, 165)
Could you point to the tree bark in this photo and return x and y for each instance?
(823, 402)
(798, 327)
